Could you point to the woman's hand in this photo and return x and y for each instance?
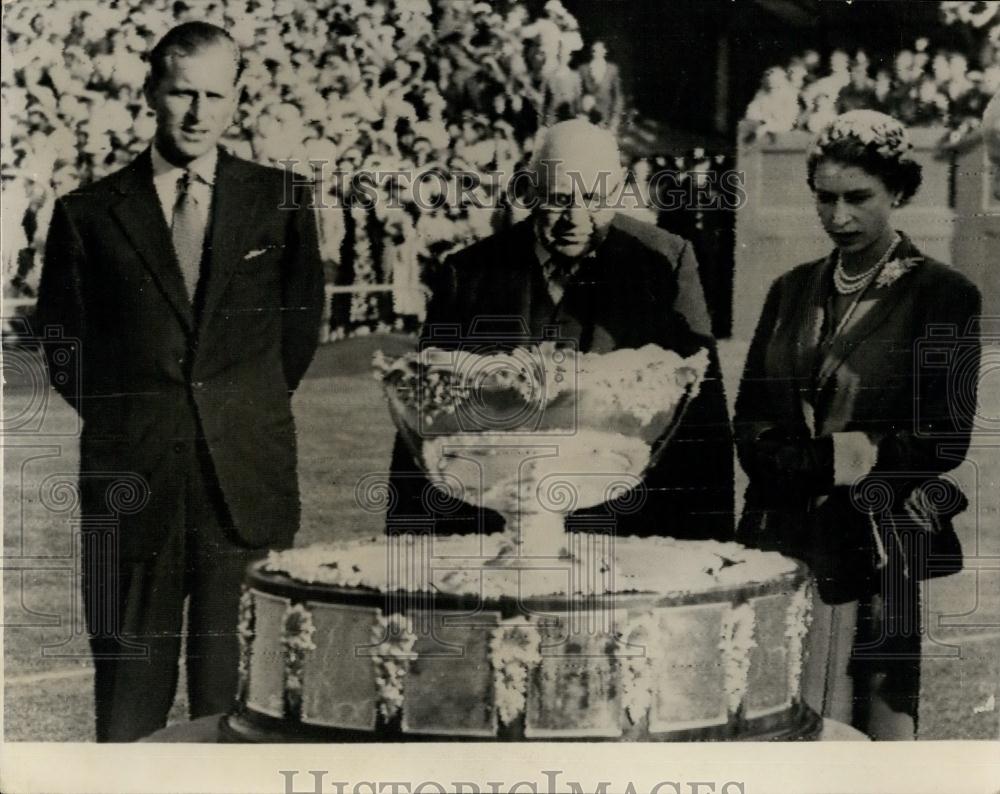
(783, 461)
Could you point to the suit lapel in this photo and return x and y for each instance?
(523, 284)
(538, 306)
(803, 336)
(609, 307)
(234, 204)
(141, 216)
(615, 311)
(868, 316)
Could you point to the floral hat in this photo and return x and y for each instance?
(877, 131)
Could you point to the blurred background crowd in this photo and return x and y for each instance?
(446, 87)
(919, 85)
(373, 85)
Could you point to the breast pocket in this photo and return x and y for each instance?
(261, 261)
(256, 280)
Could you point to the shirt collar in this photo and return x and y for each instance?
(542, 254)
(203, 167)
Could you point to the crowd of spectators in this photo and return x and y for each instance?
(428, 88)
(442, 87)
(921, 86)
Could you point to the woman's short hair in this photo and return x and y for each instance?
(187, 39)
(874, 142)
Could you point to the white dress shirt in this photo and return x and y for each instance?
(166, 176)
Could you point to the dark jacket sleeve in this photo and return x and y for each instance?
(752, 415)
(946, 365)
(410, 508)
(302, 295)
(690, 295)
(59, 311)
(690, 488)
(786, 470)
(441, 308)
(776, 454)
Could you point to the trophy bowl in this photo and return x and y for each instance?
(537, 432)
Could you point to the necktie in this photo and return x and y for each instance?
(188, 232)
(562, 267)
(558, 272)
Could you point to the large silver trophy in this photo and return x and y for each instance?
(537, 432)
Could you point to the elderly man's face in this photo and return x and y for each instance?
(575, 205)
(194, 102)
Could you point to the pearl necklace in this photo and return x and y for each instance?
(846, 284)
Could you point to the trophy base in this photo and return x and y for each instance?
(246, 728)
(532, 538)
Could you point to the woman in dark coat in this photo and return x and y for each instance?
(857, 398)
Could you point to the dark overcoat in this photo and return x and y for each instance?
(623, 297)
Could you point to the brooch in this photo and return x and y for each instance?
(894, 269)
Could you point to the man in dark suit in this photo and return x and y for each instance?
(571, 267)
(195, 294)
(602, 87)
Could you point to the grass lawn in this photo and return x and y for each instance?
(344, 434)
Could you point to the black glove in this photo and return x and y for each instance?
(784, 462)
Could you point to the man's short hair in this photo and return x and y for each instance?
(188, 39)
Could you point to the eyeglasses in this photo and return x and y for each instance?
(559, 203)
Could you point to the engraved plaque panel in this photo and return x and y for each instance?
(767, 685)
(449, 686)
(267, 659)
(687, 671)
(576, 690)
(338, 688)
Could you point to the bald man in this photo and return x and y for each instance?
(569, 267)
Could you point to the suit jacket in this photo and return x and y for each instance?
(680, 256)
(158, 372)
(624, 297)
(903, 372)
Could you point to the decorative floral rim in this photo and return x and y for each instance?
(394, 640)
(245, 632)
(435, 382)
(637, 672)
(736, 641)
(296, 642)
(796, 629)
(438, 382)
(515, 651)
